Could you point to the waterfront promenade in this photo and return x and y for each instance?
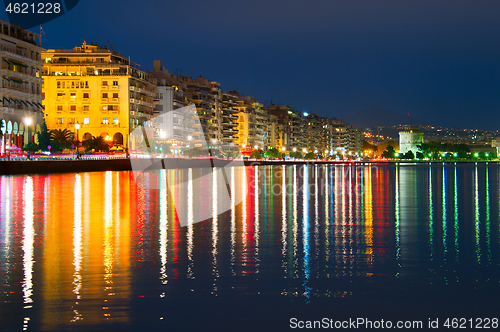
(101, 163)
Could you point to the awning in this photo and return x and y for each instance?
(19, 64)
(30, 104)
(20, 82)
(5, 99)
(10, 63)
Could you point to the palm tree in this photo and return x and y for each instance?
(96, 143)
(62, 137)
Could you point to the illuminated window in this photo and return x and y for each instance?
(105, 121)
(86, 108)
(115, 121)
(86, 121)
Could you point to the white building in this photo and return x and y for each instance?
(409, 139)
(21, 92)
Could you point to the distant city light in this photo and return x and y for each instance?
(306, 114)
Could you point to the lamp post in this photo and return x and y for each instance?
(77, 127)
(27, 123)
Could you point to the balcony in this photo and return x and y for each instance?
(18, 54)
(104, 100)
(114, 100)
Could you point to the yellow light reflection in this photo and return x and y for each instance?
(284, 227)
(28, 243)
(256, 213)
(190, 230)
(215, 230)
(77, 246)
(233, 222)
(163, 226)
(368, 215)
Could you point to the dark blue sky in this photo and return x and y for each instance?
(438, 60)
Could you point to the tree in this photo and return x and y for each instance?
(31, 147)
(44, 137)
(381, 147)
(257, 154)
(409, 155)
(310, 155)
(297, 155)
(98, 144)
(369, 147)
(62, 137)
(273, 153)
(389, 153)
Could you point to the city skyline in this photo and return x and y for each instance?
(436, 62)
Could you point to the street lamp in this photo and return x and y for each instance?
(27, 123)
(294, 149)
(77, 127)
(283, 148)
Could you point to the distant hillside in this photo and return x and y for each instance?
(376, 117)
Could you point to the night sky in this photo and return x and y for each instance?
(437, 60)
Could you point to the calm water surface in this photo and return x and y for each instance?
(97, 250)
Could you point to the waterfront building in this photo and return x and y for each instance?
(252, 123)
(288, 127)
(21, 92)
(181, 125)
(229, 122)
(103, 91)
(409, 139)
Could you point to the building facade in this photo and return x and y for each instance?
(409, 139)
(21, 93)
(98, 88)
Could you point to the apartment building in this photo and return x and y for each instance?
(289, 127)
(252, 123)
(98, 88)
(21, 91)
